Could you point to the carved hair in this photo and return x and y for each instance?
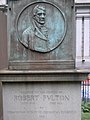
(39, 7)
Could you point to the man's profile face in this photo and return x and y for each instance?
(40, 16)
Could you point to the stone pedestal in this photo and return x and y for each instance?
(41, 95)
(42, 46)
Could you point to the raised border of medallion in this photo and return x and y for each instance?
(54, 5)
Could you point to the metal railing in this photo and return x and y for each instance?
(85, 91)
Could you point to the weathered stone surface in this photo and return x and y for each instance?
(55, 101)
(43, 76)
(37, 39)
(41, 94)
(1, 101)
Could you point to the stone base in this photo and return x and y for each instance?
(42, 65)
(41, 95)
(46, 100)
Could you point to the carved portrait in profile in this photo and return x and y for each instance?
(43, 28)
(35, 37)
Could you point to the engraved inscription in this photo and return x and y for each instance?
(47, 98)
(33, 98)
(44, 101)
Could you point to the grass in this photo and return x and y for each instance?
(85, 116)
(85, 111)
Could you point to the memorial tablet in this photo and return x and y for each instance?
(41, 35)
(45, 27)
(37, 101)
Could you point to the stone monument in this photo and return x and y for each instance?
(41, 82)
(41, 35)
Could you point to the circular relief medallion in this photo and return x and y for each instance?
(41, 26)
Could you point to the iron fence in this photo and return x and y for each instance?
(85, 90)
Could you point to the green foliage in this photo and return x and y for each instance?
(85, 116)
(85, 107)
(85, 111)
